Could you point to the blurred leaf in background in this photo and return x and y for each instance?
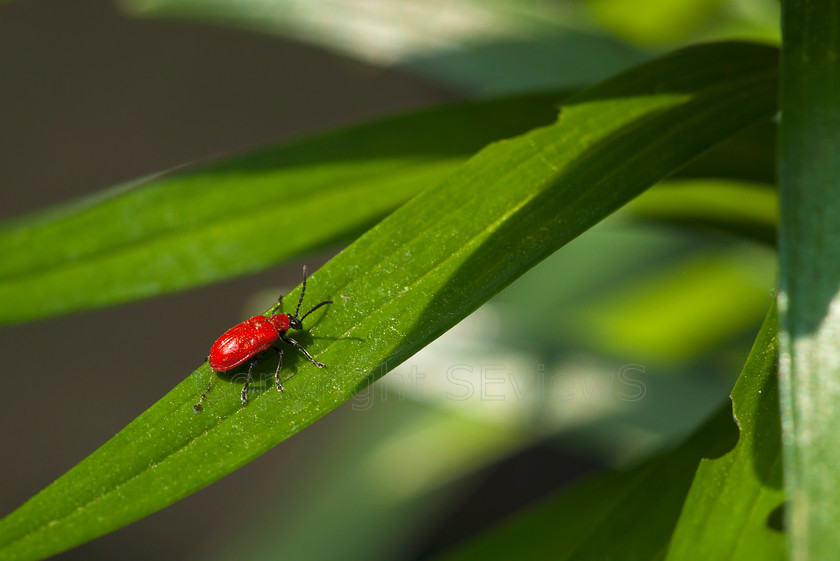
(489, 46)
(732, 483)
(475, 46)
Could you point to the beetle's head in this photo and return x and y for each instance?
(282, 322)
(296, 321)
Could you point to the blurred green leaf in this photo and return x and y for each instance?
(631, 515)
(613, 258)
(497, 46)
(653, 21)
(650, 23)
(489, 46)
(623, 515)
(809, 244)
(674, 313)
(383, 496)
(414, 276)
(749, 210)
(243, 215)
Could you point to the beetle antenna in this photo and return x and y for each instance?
(302, 292)
(324, 303)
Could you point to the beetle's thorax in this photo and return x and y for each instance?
(280, 322)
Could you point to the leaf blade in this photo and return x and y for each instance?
(200, 226)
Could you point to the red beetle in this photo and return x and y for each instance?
(248, 340)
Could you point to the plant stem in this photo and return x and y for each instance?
(809, 246)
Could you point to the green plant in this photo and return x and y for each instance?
(453, 204)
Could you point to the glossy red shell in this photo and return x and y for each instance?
(243, 341)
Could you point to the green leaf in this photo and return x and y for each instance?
(631, 515)
(682, 306)
(411, 278)
(747, 209)
(652, 22)
(242, 215)
(172, 233)
(498, 46)
(809, 244)
(733, 510)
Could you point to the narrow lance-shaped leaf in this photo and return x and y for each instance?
(242, 215)
(414, 276)
(191, 228)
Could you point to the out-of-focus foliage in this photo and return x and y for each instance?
(489, 46)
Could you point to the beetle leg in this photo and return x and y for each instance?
(244, 396)
(294, 343)
(197, 406)
(279, 352)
